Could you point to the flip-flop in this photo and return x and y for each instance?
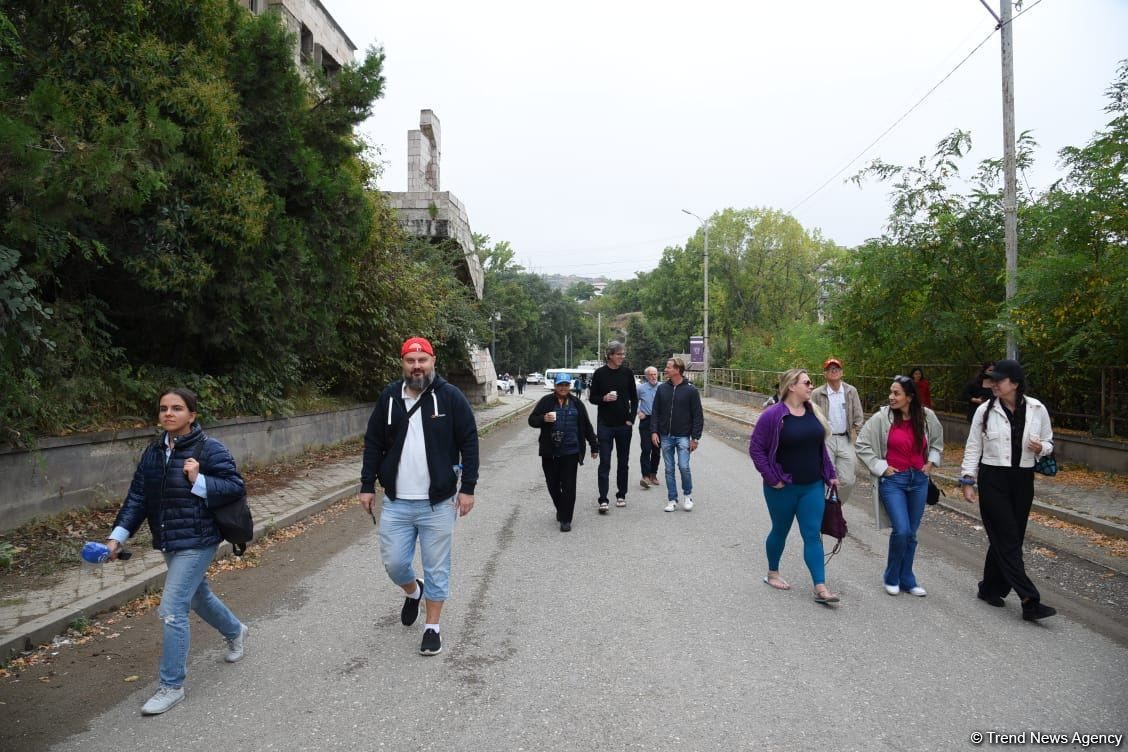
(783, 586)
(828, 598)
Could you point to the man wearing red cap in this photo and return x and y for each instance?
(421, 444)
(842, 407)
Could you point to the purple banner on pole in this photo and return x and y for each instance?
(697, 350)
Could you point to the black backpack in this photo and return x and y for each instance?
(233, 520)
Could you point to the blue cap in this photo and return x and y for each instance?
(562, 378)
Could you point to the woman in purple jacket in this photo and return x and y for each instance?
(788, 448)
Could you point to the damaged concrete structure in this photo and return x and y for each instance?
(425, 211)
(321, 42)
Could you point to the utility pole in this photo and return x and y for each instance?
(598, 335)
(705, 339)
(1010, 168)
(1010, 193)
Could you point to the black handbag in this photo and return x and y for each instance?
(1046, 465)
(934, 493)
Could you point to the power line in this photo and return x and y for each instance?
(898, 121)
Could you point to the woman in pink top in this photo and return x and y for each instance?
(901, 444)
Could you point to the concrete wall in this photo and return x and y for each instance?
(75, 471)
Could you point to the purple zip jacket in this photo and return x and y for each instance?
(764, 443)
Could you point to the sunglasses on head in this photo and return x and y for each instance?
(903, 379)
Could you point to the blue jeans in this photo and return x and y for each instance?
(804, 503)
(186, 587)
(681, 444)
(620, 437)
(904, 495)
(404, 520)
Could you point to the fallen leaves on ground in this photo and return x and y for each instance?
(105, 627)
(1115, 546)
(52, 545)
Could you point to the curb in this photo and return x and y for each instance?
(29, 635)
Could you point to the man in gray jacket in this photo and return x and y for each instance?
(842, 407)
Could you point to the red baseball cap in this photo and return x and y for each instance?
(831, 362)
(417, 344)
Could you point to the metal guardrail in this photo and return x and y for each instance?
(1086, 399)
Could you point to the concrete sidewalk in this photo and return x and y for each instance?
(1102, 510)
(36, 616)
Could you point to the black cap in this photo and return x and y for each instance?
(1007, 369)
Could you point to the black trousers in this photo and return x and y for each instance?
(560, 475)
(618, 437)
(651, 456)
(1005, 497)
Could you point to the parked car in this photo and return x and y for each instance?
(506, 386)
(535, 378)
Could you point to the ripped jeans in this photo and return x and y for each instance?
(186, 587)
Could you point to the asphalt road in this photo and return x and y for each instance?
(640, 630)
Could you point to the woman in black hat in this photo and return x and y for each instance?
(1009, 432)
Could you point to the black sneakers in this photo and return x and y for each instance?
(1035, 610)
(410, 610)
(565, 527)
(992, 600)
(432, 644)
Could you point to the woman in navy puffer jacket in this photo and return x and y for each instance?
(178, 481)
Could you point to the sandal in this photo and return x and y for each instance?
(826, 596)
(774, 580)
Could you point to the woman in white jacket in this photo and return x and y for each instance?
(900, 444)
(1008, 433)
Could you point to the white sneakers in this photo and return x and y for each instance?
(893, 589)
(164, 699)
(236, 646)
(687, 505)
(918, 591)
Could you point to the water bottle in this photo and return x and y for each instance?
(95, 553)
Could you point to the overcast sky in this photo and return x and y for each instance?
(579, 131)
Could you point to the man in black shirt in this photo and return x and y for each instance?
(613, 390)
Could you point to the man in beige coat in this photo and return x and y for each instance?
(842, 407)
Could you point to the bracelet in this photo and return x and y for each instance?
(967, 481)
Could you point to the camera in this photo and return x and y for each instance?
(557, 438)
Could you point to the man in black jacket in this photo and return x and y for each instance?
(613, 389)
(421, 441)
(677, 423)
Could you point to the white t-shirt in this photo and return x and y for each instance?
(413, 480)
(836, 403)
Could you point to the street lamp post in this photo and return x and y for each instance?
(496, 317)
(705, 224)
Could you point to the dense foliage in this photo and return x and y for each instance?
(529, 318)
(932, 288)
(180, 203)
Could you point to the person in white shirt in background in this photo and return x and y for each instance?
(842, 407)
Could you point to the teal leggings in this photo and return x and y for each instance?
(804, 503)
